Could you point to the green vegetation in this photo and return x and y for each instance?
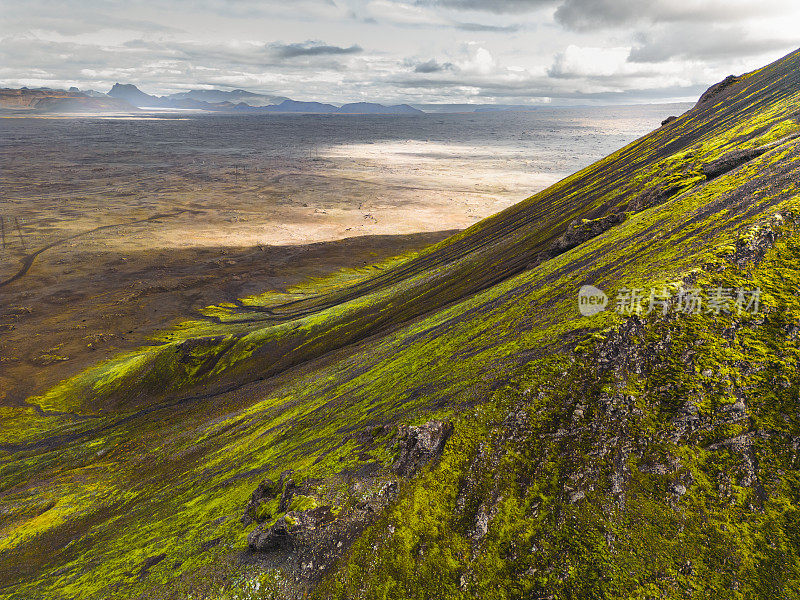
(581, 478)
(131, 477)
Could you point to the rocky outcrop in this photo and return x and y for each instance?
(292, 528)
(582, 230)
(265, 491)
(655, 196)
(737, 158)
(668, 120)
(305, 527)
(419, 445)
(731, 160)
(717, 89)
(751, 248)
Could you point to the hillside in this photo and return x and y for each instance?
(370, 108)
(234, 96)
(49, 101)
(446, 423)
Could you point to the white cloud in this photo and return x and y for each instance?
(404, 14)
(397, 50)
(576, 61)
(480, 61)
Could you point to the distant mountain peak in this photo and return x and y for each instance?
(131, 93)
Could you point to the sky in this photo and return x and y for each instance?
(417, 51)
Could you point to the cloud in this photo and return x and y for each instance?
(493, 6)
(487, 28)
(530, 88)
(701, 42)
(590, 73)
(165, 66)
(403, 14)
(577, 62)
(621, 50)
(432, 66)
(421, 14)
(313, 49)
(590, 15)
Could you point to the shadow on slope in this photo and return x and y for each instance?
(263, 336)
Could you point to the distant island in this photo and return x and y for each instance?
(126, 97)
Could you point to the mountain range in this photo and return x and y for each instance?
(123, 98)
(239, 100)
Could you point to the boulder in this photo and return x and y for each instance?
(266, 490)
(288, 530)
(655, 196)
(582, 230)
(272, 537)
(731, 160)
(716, 89)
(420, 444)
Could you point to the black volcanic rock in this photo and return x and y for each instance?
(736, 158)
(582, 230)
(266, 490)
(292, 528)
(730, 161)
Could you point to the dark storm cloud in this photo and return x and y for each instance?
(273, 54)
(313, 49)
(584, 15)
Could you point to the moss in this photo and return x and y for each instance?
(158, 450)
(300, 503)
(268, 510)
(728, 533)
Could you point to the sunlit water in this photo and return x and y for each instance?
(276, 179)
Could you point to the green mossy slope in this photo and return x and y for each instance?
(659, 462)
(137, 471)
(265, 336)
